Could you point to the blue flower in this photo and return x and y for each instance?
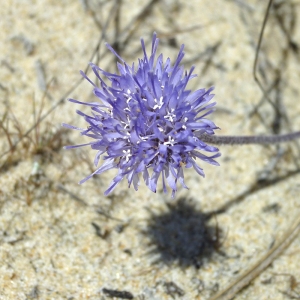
(146, 121)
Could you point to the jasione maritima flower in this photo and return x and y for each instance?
(146, 124)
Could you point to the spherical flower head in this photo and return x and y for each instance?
(146, 123)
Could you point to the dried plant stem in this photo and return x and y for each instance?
(245, 279)
(256, 58)
(250, 139)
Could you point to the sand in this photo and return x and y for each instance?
(61, 240)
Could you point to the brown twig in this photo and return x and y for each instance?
(245, 279)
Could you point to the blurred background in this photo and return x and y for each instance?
(59, 240)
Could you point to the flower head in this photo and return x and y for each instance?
(146, 123)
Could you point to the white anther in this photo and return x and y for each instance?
(170, 116)
(160, 104)
(127, 154)
(171, 141)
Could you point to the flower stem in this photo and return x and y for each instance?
(250, 139)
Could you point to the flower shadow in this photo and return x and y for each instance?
(182, 236)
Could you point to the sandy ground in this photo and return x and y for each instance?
(59, 240)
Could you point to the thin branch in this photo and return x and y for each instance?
(245, 279)
(257, 54)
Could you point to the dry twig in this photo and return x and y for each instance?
(231, 291)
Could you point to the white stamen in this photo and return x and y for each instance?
(171, 141)
(160, 104)
(170, 116)
(127, 134)
(144, 138)
(127, 154)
